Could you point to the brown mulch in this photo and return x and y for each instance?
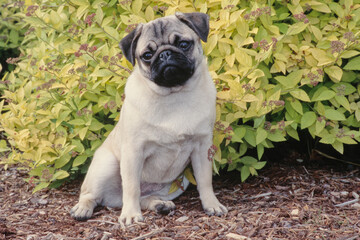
(287, 201)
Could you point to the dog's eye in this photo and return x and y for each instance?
(147, 56)
(184, 45)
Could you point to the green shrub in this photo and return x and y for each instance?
(11, 34)
(11, 31)
(278, 66)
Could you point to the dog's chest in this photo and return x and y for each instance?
(165, 162)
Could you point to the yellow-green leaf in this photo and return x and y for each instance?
(249, 98)
(95, 125)
(60, 174)
(80, 2)
(259, 165)
(338, 146)
(290, 80)
(83, 132)
(334, 72)
(319, 126)
(260, 150)
(189, 175)
(40, 186)
(276, 136)
(261, 135)
(245, 173)
(243, 58)
(296, 28)
(79, 160)
(292, 133)
(136, 6)
(346, 140)
(335, 115)
(149, 13)
(320, 7)
(323, 94)
(62, 161)
(328, 139)
(343, 102)
(308, 119)
(337, 9)
(321, 56)
(239, 133)
(99, 15)
(349, 53)
(296, 104)
(317, 32)
(112, 32)
(210, 44)
(300, 94)
(77, 121)
(353, 64)
(230, 59)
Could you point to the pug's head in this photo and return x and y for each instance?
(168, 50)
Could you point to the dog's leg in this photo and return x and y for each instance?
(157, 204)
(102, 179)
(131, 165)
(203, 173)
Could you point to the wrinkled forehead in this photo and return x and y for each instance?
(162, 31)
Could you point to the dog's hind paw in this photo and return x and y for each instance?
(164, 207)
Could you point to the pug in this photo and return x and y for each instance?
(166, 122)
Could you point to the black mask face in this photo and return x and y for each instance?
(171, 68)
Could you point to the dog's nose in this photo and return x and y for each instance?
(165, 55)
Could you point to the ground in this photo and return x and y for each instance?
(286, 201)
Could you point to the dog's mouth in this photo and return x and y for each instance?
(172, 76)
(173, 71)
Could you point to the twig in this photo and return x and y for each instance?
(306, 170)
(124, 68)
(149, 234)
(347, 203)
(258, 220)
(103, 221)
(334, 158)
(260, 195)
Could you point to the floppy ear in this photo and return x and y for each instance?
(199, 22)
(128, 44)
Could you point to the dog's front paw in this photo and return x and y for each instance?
(214, 208)
(81, 212)
(126, 219)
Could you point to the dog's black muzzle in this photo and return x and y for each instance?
(171, 68)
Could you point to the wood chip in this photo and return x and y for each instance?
(237, 236)
(355, 195)
(356, 205)
(149, 234)
(182, 219)
(295, 212)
